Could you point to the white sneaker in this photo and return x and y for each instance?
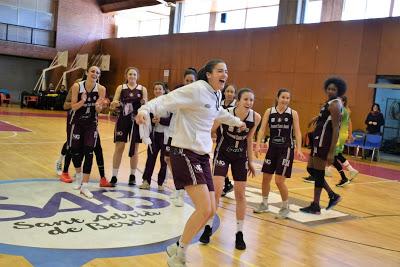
(77, 182)
(179, 198)
(176, 261)
(283, 213)
(86, 192)
(58, 167)
(173, 195)
(261, 208)
(172, 249)
(145, 185)
(353, 174)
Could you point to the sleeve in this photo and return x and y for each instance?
(184, 97)
(382, 120)
(227, 118)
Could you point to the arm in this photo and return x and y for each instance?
(99, 102)
(334, 109)
(115, 103)
(350, 134)
(185, 97)
(67, 103)
(250, 138)
(297, 134)
(145, 95)
(214, 129)
(75, 105)
(224, 117)
(261, 131)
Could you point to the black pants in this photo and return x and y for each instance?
(157, 146)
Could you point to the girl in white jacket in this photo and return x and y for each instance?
(196, 107)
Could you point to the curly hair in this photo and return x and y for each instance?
(339, 83)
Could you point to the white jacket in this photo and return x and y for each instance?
(195, 107)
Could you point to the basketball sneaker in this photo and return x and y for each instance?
(313, 209)
(343, 183)
(261, 208)
(228, 187)
(172, 249)
(205, 236)
(353, 174)
(132, 180)
(239, 242)
(113, 180)
(177, 260)
(333, 201)
(86, 192)
(65, 178)
(105, 183)
(283, 213)
(145, 185)
(309, 179)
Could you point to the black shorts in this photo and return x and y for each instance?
(189, 168)
(125, 128)
(83, 135)
(279, 160)
(239, 165)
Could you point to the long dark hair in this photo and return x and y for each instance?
(208, 68)
(163, 86)
(190, 71)
(376, 104)
(84, 75)
(225, 87)
(281, 91)
(131, 68)
(242, 91)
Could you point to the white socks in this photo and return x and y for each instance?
(348, 166)
(239, 225)
(285, 204)
(133, 171)
(115, 172)
(265, 200)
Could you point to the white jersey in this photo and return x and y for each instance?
(195, 107)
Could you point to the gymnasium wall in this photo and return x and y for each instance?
(299, 57)
(20, 74)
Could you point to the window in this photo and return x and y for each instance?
(313, 11)
(396, 8)
(262, 17)
(196, 23)
(143, 21)
(365, 9)
(233, 20)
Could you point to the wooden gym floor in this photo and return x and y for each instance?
(362, 231)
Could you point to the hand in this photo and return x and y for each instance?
(156, 119)
(242, 127)
(140, 118)
(251, 170)
(300, 154)
(115, 104)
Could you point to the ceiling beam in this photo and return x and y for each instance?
(117, 5)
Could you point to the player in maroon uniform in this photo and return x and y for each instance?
(235, 148)
(129, 97)
(324, 141)
(282, 122)
(88, 98)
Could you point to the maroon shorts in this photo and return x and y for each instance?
(239, 165)
(125, 128)
(168, 147)
(279, 160)
(189, 168)
(83, 135)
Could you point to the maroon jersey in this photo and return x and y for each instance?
(233, 140)
(281, 128)
(87, 113)
(131, 99)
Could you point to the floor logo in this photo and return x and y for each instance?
(46, 214)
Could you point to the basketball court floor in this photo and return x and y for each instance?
(44, 222)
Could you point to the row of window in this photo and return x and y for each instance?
(205, 15)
